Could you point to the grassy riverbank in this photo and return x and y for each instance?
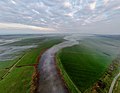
(19, 78)
(86, 63)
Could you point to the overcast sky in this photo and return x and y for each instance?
(79, 16)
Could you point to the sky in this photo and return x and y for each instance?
(60, 16)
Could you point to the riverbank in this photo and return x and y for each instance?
(107, 82)
(21, 75)
(49, 77)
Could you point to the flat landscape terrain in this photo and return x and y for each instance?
(59, 46)
(78, 63)
(87, 62)
(16, 74)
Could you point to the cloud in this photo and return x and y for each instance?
(60, 14)
(70, 15)
(12, 1)
(35, 11)
(106, 1)
(22, 26)
(67, 4)
(93, 5)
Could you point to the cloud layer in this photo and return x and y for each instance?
(22, 26)
(59, 14)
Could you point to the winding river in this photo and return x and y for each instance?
(50, 81)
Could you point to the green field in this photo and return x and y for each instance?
(81, 66)
(18, 81)
(17, 78)
(5, 65)
(30, 57)
(84, 64)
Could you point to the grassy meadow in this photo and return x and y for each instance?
(16, 75)
(86, 63)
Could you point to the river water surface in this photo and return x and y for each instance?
(50, 82)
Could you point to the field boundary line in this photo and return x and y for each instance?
(5, 75)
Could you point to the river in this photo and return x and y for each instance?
(50, 81)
